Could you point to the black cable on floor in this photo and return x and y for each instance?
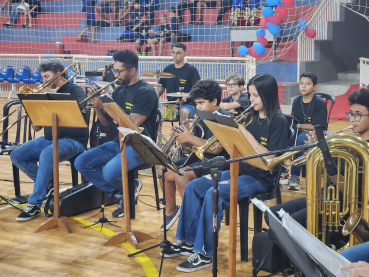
(138, 198)
(7, 202)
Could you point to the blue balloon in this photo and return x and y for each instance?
(242, 50)
(272, 3)
(303, 24)
(258, 48)
(273, 28)
(267, 11)
(260, 32)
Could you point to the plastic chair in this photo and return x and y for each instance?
(21, 74)
(6, 72)
(327, 97)
(243, 205)
(35, 77)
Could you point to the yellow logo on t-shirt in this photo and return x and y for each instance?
(264, 141)
(182, 81)
(309, 119)
(129, 106)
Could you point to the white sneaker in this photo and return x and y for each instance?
(295, 183)
(284, 180)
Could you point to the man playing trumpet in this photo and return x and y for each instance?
(207, 96)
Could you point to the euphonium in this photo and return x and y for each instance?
(357, 226)
(199, 151)
(112, 84)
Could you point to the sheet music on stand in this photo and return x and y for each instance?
(296, 240)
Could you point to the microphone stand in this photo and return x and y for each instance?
(214, 165)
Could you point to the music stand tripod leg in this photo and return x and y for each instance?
(165, 244)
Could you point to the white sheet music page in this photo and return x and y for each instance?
(315, 248)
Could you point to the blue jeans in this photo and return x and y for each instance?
(102, 166)
(41, 150)
(196, 218)
(296, 170)
(357, 253)
(14, 16)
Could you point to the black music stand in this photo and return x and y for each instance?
(150, 153)
(298, 251)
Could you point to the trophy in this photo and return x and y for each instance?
(246, 15)
(233, 17)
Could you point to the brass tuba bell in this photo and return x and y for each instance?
(357, 226)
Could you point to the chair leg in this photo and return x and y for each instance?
(16, 180)
(226, 216)
(258, 220)
(244, 220)
(74, 174)
(155, 179)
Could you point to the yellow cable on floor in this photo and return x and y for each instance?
(146, 263)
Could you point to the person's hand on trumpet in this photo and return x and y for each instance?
(184, 136)
(94, 102)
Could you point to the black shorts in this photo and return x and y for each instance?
(211, 4)
(193, 159)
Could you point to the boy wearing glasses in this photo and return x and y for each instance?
(186, 77)
(237, 101)
(309, 109)
(102, 165)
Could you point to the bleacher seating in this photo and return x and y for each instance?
(6, 72)
(35, 77)
(21, 74)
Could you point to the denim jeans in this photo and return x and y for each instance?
(296, 170)
(102, 166)
(196, 218)
(14, 16)
(357, 253)
(41, 150)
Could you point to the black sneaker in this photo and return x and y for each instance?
(120, 211)
(49, 191)
(138, 187)
(30, 212)
(195, 262)
(170, 219)
(178, 248)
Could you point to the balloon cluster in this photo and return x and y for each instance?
(271, 21)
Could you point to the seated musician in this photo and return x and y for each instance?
(186, 76)
(72, 142)
(237, 101)
(207, 95)
(309, 109)
(359, 119)
(102, 165)
(268, 131)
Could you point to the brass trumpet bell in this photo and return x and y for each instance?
(357, 226)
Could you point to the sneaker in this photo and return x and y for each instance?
(120, 211)
(284, 179)
(49, 191)
(200, 22)
(192, 23)
(30, 212)
(195, 262)
(295, 183)
(170, 219)
(143, 54)
(139, 54)
(178, 248)
(138, 187)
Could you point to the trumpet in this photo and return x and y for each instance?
(199, 151)
(167, 146)
(112, 84)
(27, 90)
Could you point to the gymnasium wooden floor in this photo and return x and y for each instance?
(55, 253)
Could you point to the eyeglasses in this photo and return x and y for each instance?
(176, 53)
(117, 72)
(357, 116)
(232, 85)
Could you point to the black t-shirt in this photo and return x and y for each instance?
(136, 14)
(274, 137)
(143, 30)
(78, 134)
(208, 134)
(243, 101)
(139, 98)
(186, 77)
(163, 29)
(315, 111)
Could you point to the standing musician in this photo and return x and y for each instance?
(72, 142)
(207, 95)
(102, 165)
(186, 77)
(268, 131)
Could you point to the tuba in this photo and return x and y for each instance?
(357, 226)
(323, 199)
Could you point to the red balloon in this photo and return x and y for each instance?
(275, 19)
(262, 40)
(288, 3)
(311, 33)
(263, 22)
(282, 11)
(252, 51)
